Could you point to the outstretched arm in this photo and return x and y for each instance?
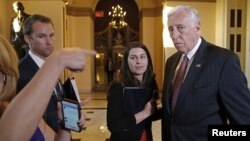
(27, 108)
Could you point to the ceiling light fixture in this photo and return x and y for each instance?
(117, 17)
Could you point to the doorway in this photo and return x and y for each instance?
(110, 42)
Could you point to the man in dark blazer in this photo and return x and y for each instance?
(214, 90)
(39, 35)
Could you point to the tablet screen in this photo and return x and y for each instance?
(71, 114)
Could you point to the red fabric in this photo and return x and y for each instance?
(143, 136)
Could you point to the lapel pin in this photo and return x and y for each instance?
(198, 65)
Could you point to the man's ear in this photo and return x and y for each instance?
(27, 39)
(197, 27)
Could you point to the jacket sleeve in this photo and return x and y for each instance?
(234, 92)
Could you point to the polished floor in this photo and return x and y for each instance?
(95, 128)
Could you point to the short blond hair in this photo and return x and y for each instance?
(8, 66)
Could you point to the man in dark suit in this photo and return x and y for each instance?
(214, 89)
(39, 35)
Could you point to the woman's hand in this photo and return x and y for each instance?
(148, 108)
(145, 113)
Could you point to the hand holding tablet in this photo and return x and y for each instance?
(71, 114)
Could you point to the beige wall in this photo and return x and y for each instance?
(158, 49)
(4, 29)
(220, 31)
(152, 38)
(80, 34)
(148, 34)
(151, 34)
(149, 3)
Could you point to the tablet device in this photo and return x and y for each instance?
(71, 114)
(71, 90)
(135, 98)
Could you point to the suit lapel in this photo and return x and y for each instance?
(32, 64)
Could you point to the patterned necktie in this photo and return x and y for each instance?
(178, 81)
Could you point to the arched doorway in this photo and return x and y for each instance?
(110, 42)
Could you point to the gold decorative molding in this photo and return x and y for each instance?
(190, 0)
(158, 11)
(78, 11)
(151, 12)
